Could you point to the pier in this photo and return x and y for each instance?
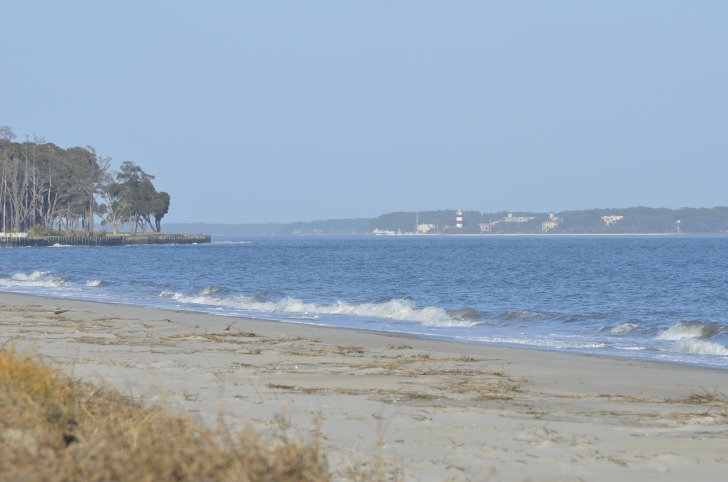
(104, 240)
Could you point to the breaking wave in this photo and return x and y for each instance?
(96, 282)
(466, 314)
(211, 290)
(700, 347)
(43, 279)
(691, 330)
(624, 328)
(396, 309)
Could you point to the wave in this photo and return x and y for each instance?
(43, 279)
(210, 290)
(397, 309)
(96, 282)
(691, 330)
(579, 317)
(623, 329)
(700, 347)
(465, 314)
(525, 315)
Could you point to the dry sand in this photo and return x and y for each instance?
(434, 410)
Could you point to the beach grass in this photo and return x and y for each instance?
(56, 428)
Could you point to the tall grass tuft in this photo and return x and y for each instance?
(56, 428)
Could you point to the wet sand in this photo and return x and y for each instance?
(433, 410)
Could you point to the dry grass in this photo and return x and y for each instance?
(349, 350)
(715, 401)
(715, 398)
(399, 347)
(55, 428)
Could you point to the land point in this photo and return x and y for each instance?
(16, 240)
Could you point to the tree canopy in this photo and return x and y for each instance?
(45, 188)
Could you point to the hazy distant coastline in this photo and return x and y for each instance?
(634, 220)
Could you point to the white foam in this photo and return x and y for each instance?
(401, 310)
(700, 347)
(36, 275)
(682, 331)
(95, 282)
(43, 279)
(544, 342)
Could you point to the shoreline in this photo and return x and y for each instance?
(433, 408)
(392, 334)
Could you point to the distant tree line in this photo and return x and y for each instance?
(45, 188)
(634, 220)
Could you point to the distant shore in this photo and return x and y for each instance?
(473, 235)
(434, 410)
(629, 221)
(544, 235)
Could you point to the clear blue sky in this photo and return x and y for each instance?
(300, 110)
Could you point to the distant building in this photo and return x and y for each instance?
(550, 224)
(459, 219)
(488, 227)
(426, 228)
(517, 219)
(609, 220)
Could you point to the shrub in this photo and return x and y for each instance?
(56, 428)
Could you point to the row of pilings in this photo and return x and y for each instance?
(104, 240)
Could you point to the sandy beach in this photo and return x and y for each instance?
(431, 410)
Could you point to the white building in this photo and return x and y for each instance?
(609, 220)
(550, 224)
(517, 219)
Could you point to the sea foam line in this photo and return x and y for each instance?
(43, 279)
(396, 309)
(700, 347)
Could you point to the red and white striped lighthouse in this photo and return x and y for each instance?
(459, 219)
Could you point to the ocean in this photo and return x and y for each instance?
(662, 298)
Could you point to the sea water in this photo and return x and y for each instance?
(642, 297)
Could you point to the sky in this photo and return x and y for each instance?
(282, 111)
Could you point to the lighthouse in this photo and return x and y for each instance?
(459, 219)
